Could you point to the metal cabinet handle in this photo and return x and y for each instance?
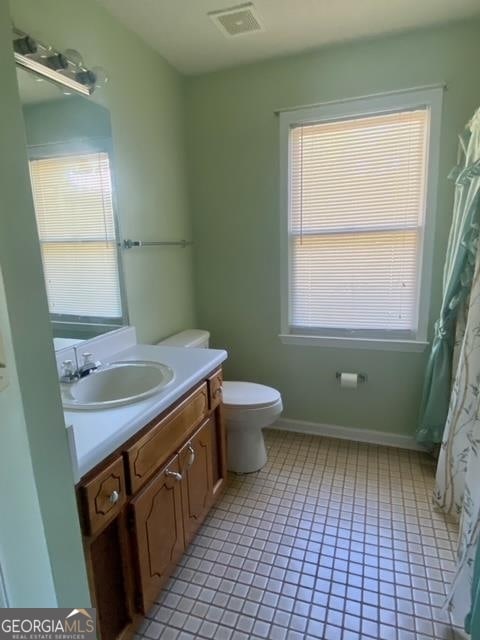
(173, 474)
(191, 457)
(114, 496)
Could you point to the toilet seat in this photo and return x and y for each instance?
(249, 395)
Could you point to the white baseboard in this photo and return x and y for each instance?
(348, 433)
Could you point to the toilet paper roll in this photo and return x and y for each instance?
(349, 380)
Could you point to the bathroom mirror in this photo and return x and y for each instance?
(69, 142)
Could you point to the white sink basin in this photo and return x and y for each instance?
(115, 384)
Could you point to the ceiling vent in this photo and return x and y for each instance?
(237, 21)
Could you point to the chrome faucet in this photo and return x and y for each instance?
(70, 374)
(89, 365)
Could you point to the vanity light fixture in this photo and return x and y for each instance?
(67, 69)
(25, 45)
(85, 77)
(57, 62)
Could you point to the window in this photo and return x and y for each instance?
(358, 234)
(76, 226)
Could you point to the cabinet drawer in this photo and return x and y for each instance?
(148, 453)
(215, 388)
(102, 497)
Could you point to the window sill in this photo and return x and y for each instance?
(354, 343)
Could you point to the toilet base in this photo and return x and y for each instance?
(246, 450)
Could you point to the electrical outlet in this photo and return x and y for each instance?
(3, 367)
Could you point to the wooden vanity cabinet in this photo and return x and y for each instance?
(141, 508)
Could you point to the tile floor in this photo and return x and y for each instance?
(331, 539)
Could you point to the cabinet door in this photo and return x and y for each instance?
(156, 516)
(196, 464)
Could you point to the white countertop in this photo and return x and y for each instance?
(97, 434)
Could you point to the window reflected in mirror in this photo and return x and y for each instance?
(70, 156)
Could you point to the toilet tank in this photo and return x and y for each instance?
(190, 338)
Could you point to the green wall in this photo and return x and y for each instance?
(23, 548)
(234, 162)
(144, 95)
(40, 544)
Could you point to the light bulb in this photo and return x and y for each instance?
(101, 77)
(74, 57)
(47, 51)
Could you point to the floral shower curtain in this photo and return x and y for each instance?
(457, 489)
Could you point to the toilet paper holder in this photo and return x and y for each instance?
(362, 377)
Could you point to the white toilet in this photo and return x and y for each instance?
(249, 408)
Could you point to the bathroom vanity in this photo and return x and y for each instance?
(141, 506)
(147, 475)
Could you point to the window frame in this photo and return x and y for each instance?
(378, 104)
(79, 323)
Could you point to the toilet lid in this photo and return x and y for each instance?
(249, 395)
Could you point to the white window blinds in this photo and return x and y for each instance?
(356, 216)
(73, 205)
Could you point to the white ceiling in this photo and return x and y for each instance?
(181, 31)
